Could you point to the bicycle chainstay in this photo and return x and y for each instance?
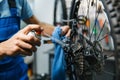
(82, 56)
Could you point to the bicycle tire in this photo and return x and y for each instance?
(113, 18)
(62, 16)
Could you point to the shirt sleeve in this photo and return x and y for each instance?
(26, 11)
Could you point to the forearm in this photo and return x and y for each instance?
(47, 28)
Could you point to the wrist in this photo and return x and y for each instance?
(2, 53)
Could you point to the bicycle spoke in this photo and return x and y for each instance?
(101, 30)
(106, 35)
(94, 26)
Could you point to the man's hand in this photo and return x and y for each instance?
(66, 31)
(20, 43)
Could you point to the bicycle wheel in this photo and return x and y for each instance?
(93, 27)
(60, 12)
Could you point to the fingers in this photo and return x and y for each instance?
(64, 30)
(31, 27)
(68, 33)
(14, 50)
(26, 46)
(24, 52)
(30, 39)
